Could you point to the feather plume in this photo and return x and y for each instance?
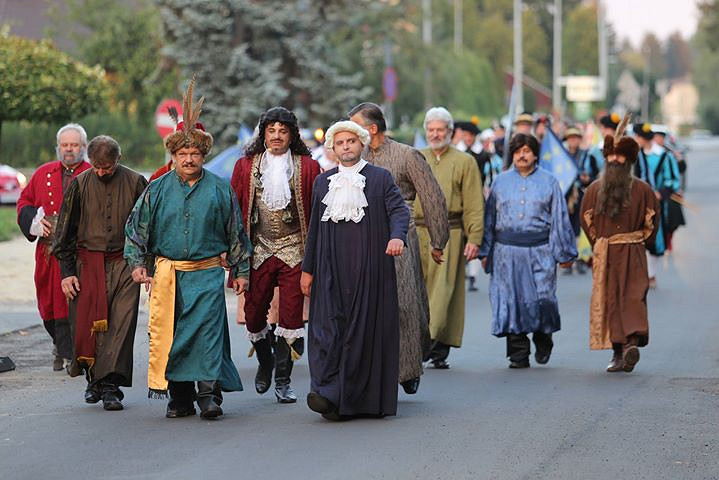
(173, 113)
(622, 127)
(188, 123)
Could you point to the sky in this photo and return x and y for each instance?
(633, 18)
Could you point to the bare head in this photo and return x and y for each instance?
(71, 144)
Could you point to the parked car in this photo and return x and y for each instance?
(11, 184)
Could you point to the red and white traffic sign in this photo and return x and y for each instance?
(163, 121)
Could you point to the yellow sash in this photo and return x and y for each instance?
(162, 314)
(598, 322)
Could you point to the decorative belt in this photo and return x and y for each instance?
(598, 322)
(455, 220)
(523, 239)
(162, 316)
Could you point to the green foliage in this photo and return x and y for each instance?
(580, 39)
(706, 67)
(471, 85)
(8, 224)
(128, 47)
(249, 56)
(29, 144)
(39, 83)
(677, 56)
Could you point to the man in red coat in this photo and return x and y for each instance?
(273, 182)
(37, 212)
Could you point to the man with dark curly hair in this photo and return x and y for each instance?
(273, 182)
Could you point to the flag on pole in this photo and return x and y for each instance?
(555, 158)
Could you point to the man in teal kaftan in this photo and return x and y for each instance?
(181, 226)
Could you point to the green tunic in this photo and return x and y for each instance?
(181, 222)
(458, 177)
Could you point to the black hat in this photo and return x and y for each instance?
(610, 121)
(643, 130)
(467, 127)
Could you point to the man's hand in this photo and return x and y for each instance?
(70, 287)
(437, 256)
(139, 275)
(471, 251)
(566, 264)
(484, 264)
(306, 283)
(240, 285)
(395, 247)
(46, 228)
(223, 261)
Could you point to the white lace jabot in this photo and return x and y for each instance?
(276, 173)
(345, 198)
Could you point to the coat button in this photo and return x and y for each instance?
(49, 194)
(48, 175)
(52, 203)
(48, 184)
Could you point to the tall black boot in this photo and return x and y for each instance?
(283, 368)
(266, 360)
(209, 398)
(182, 395)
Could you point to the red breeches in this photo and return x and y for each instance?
(274, 273)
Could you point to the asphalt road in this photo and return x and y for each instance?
(478, 420)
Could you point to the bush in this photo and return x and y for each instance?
(27, 145)
(8, 224)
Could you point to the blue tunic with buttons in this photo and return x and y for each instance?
(526, 233)
(181, 222)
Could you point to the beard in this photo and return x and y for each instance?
(70, 161)
(615, 188)
(439, 144)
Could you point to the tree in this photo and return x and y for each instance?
(127, 48)
(39, 83)
(706, 64)
(651, 50)
(250, 55)
(580, 41)
(677, 56)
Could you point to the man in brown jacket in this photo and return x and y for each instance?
(619, 215)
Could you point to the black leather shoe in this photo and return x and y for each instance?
(410, 386)
(179, 411)
(320, 404)
(58, 365)
(542, 357)
(111, 400)
(263, 377)
(439, 364)
(519, 364)
(92, 395)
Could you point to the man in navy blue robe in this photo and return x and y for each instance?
(359, 221)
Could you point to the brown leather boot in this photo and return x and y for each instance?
(630, 355)
(617, 363)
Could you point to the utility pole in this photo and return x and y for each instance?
(557, 57)
(645, 84)
(603, 49)
(518, 66)
(427, 41)
(457, 25)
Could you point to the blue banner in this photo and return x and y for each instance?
(555, 158)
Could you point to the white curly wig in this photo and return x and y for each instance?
(345, 126)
